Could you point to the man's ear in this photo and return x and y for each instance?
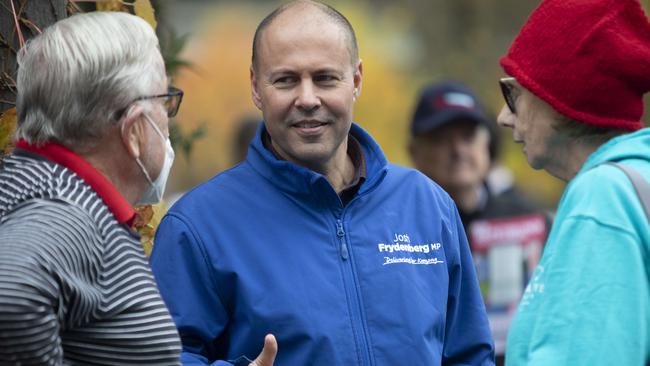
(257, 99)
(132, 133)
(358, 76)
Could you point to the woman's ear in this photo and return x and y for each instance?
(132, 133)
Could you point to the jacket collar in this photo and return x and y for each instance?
(119, 206)
(297, 179)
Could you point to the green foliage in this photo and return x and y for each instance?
(185, 141)
(171, 45)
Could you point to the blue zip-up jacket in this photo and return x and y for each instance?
(267, 247)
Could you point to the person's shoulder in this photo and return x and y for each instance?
(603, 192)
(231, 182)
(601, 179)
(404, 179)
(47, 224)
(411, 176)
(23, 174)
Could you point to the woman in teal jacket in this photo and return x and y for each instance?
(579, 70)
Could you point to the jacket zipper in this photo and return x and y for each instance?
(353, 294)
(341, 234)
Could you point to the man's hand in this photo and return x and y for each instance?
(267, 356)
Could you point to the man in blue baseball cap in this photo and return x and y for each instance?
(454, 142)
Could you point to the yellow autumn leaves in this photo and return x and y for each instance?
(141, 8)
(7, 128)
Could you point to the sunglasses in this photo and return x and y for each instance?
(507, 90)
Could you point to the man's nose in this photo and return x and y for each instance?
(307, 98)
(506, 117)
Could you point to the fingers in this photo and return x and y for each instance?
(267, 356)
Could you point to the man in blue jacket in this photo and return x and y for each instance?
(345, 258)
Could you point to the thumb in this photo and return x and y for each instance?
(267, 356)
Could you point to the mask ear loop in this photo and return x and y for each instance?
(159, 184)
(146, 175)
(153, 124)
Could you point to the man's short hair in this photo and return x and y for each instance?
(329, 11)
(76, 75)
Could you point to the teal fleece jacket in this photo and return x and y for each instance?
(588, 302)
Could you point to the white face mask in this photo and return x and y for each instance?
(154, 194)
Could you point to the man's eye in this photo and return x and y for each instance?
(325, 79)
(284, 80)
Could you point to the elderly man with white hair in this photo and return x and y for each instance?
(91, 142)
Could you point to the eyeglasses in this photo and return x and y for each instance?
(507, 91)
(173, 100)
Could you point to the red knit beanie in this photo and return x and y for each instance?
(589, 59)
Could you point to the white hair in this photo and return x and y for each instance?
(76, 77)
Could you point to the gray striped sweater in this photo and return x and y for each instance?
(75, 285)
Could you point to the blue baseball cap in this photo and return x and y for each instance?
(444, 102)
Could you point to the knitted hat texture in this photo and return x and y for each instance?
(589, 59)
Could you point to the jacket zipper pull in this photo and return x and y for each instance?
(341, 234)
